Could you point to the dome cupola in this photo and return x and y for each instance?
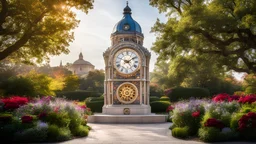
(127, 24)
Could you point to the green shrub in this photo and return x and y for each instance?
(91, 99)
(186, 93)
(18, 86)
(56, 133)
(180, 132)
(250, 90)
(209, 134)
(77, 95)
(34, 134)
(164, 98)
(185, 119)
(153, 98)
(5, 117)
(81, 131)
(95, 106)
(60, 119)
(159, 106)
(234, 120)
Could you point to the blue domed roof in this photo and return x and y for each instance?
(127, 24)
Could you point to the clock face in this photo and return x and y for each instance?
(126, 27)
(127, 61)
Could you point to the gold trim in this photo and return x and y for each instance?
(127, 93)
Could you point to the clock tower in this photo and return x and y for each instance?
(126, 86)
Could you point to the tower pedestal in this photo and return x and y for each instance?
(126, 109)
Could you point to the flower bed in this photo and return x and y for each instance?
(42, 120)
(223, 118)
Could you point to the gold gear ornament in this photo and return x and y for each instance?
(127, 93)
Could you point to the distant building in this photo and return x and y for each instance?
(81, 67)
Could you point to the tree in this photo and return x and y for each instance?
(93, 81)
(71, 83)
(224, 28)
(32, 30)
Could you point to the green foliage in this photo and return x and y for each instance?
(180, 132)
(153, 98)
(91, 99)
(155, 90)
(34, 134)
(77, 95)
(43, 29)
(186, 93)
(185, 119)
(60, 119)
(221, 29)
(250, 90)
(221, 111)
(159, 106)
(81, 131)
(19, 86)
(5, 118)
(164, 98)
(234, 121)
(56, 133)
(41, 83)
(94, 81)
(209, 134)
(95, 106)
(71, 83)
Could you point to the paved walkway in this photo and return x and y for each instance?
(132, 134)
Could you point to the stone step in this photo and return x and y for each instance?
(126, 119)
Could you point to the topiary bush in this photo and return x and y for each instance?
(164, 98)
(35, 134)
(153, 98)
(177, 94)
(95, 106)
(80, 131)
(159, 106)
(77, 95)
(209, 134)
(180, 132)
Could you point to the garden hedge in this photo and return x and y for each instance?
(95, 106)
(177, 94)
(250, 90)
(159, 106)
(77, 95)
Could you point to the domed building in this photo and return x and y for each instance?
(81, 67)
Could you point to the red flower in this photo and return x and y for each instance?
(170, 108)
(212, 122)
(196, 114)
(56, 109)
(247, 121)
(247, 99)
(27, 119)
(83, 107)
(221, 97)
(42, 115)
(14, 102)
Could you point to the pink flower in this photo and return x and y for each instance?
(83, 107)
(170, 108)
(196, 114)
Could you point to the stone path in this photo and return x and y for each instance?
(132, 134)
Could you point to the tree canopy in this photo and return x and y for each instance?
(32, 30)
(224, 28)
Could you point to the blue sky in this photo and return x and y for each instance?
(92, 36)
